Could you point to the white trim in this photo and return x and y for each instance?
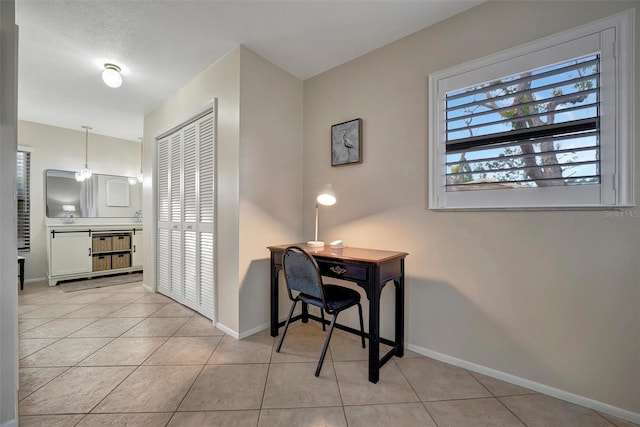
(26, 148)
(617, 157)
(149, 288)
(37, 279)
(228, 331)
(532, 385)
(252, 331)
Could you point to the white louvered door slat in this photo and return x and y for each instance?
(190, 267)
(186, 215)
(163, 262)
(207, 276)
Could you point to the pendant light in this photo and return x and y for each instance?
(85, 173)
(133, 180)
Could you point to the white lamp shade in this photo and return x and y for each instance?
(327, 197)
(111, 77)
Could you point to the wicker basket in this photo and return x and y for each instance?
(102, 243)
(121, 242)
(120, 260)
(101, 262)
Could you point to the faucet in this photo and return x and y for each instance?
(68, 218)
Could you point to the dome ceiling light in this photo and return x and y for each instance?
(111, 75)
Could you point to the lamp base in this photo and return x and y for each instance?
(315, 244)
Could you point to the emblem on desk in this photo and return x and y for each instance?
(338, 270)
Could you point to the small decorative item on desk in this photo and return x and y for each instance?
(346, 143)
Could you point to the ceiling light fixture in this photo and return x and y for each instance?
(85, 173)
(111, 75)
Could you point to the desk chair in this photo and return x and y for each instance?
(302, 275)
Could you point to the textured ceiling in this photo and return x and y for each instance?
(161, 45)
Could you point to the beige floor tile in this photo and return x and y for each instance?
(301, 344)
(27, 308)
(95, 310)
(32, 379)
(65, 352)
(154, 299)
(184, 351)
(30, 346)
(294, 385)
(151, 389)
(174, 310)
(215, 418)
(136, 310)
(243, 388)
(57, 328)
(618, 422)
(303, 417)
(353, 379)
(122, 297)
(107, 327)
(41, 298)
(395, 414)
(128, 420)
(499, 387)
(156, 327)
(50, 420)
(541, 410)
(52, 311)
(349, 348)
(472, 413)
(253, 349)
(75, 391)
(28, 324)
(434, 380)
(84, 298)
(198, 326)
(124, 351)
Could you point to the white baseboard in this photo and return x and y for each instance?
(532, 385)
(37, 279)
(147, 287)
(11, 423)
(228, 330)
(255, 330)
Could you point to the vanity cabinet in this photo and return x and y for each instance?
(76, 252)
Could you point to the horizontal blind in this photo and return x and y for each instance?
(23, 190)
(537, 128)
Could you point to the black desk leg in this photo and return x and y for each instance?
(274, 299)
(21, 263)
(374, 329)
(399, 284)
(305, 312)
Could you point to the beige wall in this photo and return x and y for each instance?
(258, 150)
(59, 148)
(270, 172)
(550, 297)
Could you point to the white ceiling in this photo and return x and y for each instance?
(162, 45)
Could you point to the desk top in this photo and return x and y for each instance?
(346, 254)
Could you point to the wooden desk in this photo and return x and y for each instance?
(370, 269)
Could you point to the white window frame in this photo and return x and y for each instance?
(615, 37)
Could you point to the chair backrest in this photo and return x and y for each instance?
(302, 273)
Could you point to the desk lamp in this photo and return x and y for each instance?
(326, 198)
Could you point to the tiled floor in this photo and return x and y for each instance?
(120, 356)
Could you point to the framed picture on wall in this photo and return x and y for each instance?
(346, 143)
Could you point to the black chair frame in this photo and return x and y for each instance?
(321, 301)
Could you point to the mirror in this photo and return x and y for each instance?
(101, 196)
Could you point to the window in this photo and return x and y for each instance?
(545, 125)
(23, 189)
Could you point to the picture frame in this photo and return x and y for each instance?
(346, 143)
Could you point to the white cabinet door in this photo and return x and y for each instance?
(137, 256)
(185, 209)
(70, 253)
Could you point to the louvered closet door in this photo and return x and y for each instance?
(186, 215)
